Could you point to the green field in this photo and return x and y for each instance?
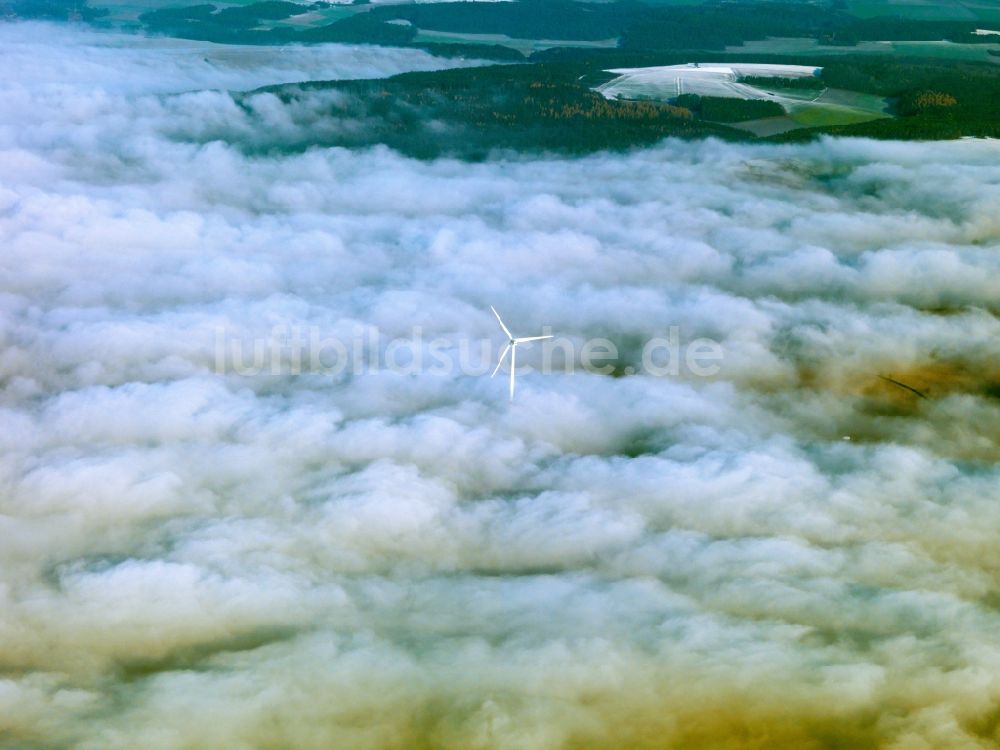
(318, 17)
(817, 116)
(768, 126)
(132, 9)
(803, 46)
(832, 107)
(948, 50)
(524, 46)
(926, 10)
(870, 103)
(128, 11)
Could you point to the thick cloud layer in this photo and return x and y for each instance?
(198, 558)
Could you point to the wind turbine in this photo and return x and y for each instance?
(511, 347)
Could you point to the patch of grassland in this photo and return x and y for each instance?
(915, 10)
(820, 115)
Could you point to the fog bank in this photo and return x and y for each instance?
(793, 553)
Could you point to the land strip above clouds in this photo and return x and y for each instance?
(900, 75)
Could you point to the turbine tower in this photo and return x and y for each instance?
(511, 347)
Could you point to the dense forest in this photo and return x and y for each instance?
(728, 109)
(471, 112)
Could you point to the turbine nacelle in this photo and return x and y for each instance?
(512, 342)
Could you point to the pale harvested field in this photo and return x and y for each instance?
(804, 108)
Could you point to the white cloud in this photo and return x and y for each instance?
(195, 559)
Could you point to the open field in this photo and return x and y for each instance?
(128, 11)
(816, 115)
(767, 126)
(947, 50)
(927, 10)
(853, 100)
(142, 6)
(803, 46)
(317, 17)
(524, 46)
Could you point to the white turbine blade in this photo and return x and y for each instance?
(500, 322)
(500, 361)
(513, 367)
(531, 338)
